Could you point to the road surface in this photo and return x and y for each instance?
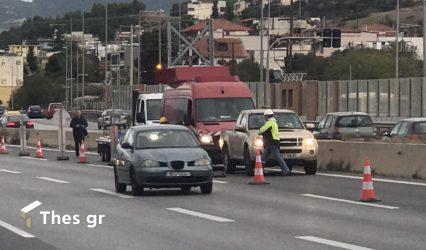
(294, 212)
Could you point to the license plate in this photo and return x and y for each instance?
(178, 174)
(289, 156)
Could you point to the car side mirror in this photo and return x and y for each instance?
(240, 128)
(126, 145)
(140, 117)
(386, 134)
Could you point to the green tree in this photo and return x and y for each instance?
(215, 10)
(229, 11)
(32, 60)
(248, 71)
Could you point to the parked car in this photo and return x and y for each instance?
(342, 125)
(161, 156)
(13, 119)
(51, 109)
(106, 120)
(2, 110)
(35, 111)
(297, 144)
(408, 130)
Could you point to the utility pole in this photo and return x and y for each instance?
(82, 61)
(159, 38)
(261, 41)
(131, 55)
(71, 68)
(268, 42)
(13, 96)
(66, 76)
(106, 43)
(424, 39)
(397, 43)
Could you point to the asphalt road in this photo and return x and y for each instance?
(294, 212)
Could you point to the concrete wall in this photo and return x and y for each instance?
(49, 138)
(388, 159)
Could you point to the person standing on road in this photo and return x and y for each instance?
(78, 125)
(271, 141)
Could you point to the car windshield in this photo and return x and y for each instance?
(56, 106)
(35, 108)
(354, 121)
(284, 120)
(2, 108)
(221, 109)
(116, 112)
(17, 118)
(165, 139)
(420, 128)
(153, 109)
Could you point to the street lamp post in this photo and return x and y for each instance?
(261, 41)
(397, 43)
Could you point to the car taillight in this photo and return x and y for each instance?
(10, 124)
(414, 137)
(29, 123)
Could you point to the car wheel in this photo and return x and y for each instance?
(185, 189)
(207, 188)
(119, 187)
(229, 164)
(137, 189)
(248, 163)
(99, 127)
(310, 167)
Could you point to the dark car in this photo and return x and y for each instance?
(342, 125)
(35, 112)
(161, 156)
(14, 121)
(52, 109)
(408, 130)
(2, 110)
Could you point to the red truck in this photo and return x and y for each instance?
(206, 99)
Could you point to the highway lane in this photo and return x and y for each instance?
(235, 216)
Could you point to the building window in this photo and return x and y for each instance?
(222, 47)
(284, 98)
(3, 81)
(290, 98)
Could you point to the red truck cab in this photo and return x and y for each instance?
(206, 99)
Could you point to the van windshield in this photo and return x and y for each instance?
(221, 109)
(153, 108)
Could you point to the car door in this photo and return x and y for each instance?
(323, 128)
(394, 131)
(124, 157)
(241, 137)
(403, 130)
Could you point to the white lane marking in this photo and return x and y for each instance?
(201, 215)
(220, 182)
(31, 206)
(16, 230)
(33, 158)
(349, 201)
(100, 166)
(374, 179)
(332, 243)
(10, 171)
(100, 190)
(273, 169)
(52, 180)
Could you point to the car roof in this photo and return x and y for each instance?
(260, 111)
(159, 127)
(346, 113)
(417, 119)
(10, 113)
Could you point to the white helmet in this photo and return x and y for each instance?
(268, 112)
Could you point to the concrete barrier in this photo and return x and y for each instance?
(388, 159)
(49, 138)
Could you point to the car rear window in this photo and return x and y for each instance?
(354, 121)
(17, 118)
(420, 128)
(56, 106)
(2, 108)
(35, 108)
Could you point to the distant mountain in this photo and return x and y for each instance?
(13, 12)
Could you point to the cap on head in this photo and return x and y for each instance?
(163, 119)
(268, 112)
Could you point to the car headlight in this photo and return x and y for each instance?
(206, 139)
(310, 142)
(150, 163)
(202, 162)
(221, 143)
(258, 142)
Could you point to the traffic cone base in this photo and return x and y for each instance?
(258, 178)
(368, 194)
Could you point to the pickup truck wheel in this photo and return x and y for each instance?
(310, 167)
(229, 164)
(248, 163)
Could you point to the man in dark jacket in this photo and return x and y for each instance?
(78, 125)
(271, 141)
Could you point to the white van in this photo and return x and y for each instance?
(148, 109)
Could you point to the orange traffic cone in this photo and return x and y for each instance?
(258, 178)
(82, 158)
(39, 152)
(368, 194)
(3, 149)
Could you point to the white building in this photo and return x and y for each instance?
(240, 6)
(203, 9)
(415, 44)
(11, 75)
